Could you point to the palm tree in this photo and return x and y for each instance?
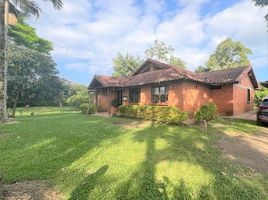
(26, 7)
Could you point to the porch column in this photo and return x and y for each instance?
(96, 100)
(109, 100)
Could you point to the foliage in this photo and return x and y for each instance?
(91, 109)
(259, 95)
(87, 108)
(19, 7)
(206, 112)
(24, 35)
(201, 69)
(97, 158)
(32, 78)
(228, 54)
(160, 114)
(78, 95)
(175, 61)
(84, 108)
(125, 65)
(31, 7)
(164, 52)
(115, 103)
(262, 3)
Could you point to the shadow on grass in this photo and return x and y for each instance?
(225, 184)
(41, 148)
(82, 191)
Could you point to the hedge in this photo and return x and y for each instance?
(160, 114)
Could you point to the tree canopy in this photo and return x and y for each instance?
(32, 77)
(164, 52)
(24, 35)
(228, 54)
(125, 65)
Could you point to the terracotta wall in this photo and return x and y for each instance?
(223, 98)
(194, 95)
(241, 104)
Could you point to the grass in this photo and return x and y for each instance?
(89, 157)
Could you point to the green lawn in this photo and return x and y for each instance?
(87, 157)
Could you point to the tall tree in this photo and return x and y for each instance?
(27, 7)
(262, 3)
(125, 65)
(24, 35)
(228, 54)
(164, 52)
(32, 77)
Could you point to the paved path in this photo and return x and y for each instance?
(251, 115)
(102, 114)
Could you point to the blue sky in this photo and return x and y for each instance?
(87, 34)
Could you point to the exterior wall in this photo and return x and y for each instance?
(241, 104)
(102, 100)
(223, 98)
(194, 95)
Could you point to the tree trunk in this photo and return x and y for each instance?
(15, 104)
(3, 59)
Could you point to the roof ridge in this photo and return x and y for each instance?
(220, 70)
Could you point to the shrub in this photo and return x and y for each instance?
(160, 114)
(259, 95)
(91, 109)
(86, 108)
(206, 112)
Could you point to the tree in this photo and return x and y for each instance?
(27, 7)
(262, 3)
(164, 52)
(24, 35)
(201, 69)
(78, 95)
(175, 61)
(228, 54)
(32, 77)
(125, 65)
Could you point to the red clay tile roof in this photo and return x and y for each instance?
(170, 73)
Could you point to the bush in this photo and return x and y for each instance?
(87, 108)
(206, 112)
(259, 95)
(91, 109)
(160, 114)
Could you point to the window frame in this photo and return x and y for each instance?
(138, 92)
(160, 94)
(248, 95)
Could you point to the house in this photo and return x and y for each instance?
(157, 83)
(265, 84)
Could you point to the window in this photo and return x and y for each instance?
(134, 95)
(248, 95)
(159, 94)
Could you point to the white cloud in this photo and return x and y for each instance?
(90, 33)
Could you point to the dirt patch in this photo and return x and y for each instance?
(30, 190)
(132, 124)
(249, 150)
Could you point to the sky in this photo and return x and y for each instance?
(88, 34)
